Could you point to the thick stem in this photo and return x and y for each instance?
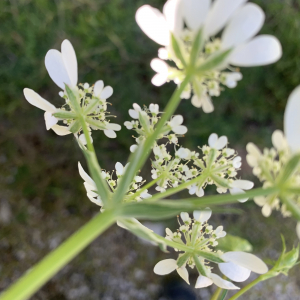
(138, 158)
(216, 294)
(38, 275)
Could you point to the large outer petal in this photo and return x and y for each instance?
(56, 68)
(234, 272)
(262, 50)
(61, 130)
(195, 12)
(173, 13)
(220, 13)
(183, 273)
(245, 24)
(36, 100)
(154, 24)
(203, 282)
(222, 283)
(165, 266)
(246, 260)
(70, 61)
(85, 176)
(292, 120)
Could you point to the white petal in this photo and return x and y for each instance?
(110, 133)
(238, 191)
(279, 140)
(221, 143)
(212, 139)
(133, 114)
(56, 68)
(207, 104)
(185, 217)
(262, 50)
(176, 120)
(95, 200)
(200, 192)
(246, 260)
(50, 120)
(243, 184)
(180, 129)
(202, 282)
(173, 13)
(99, 85)
(133, 148)
(224, 284)
(292, 120)
(183, 273)
(61, 130)
(154, 24)
(266, 210)
(234, 272)
(70, 61)
(220, 13)
(196, 101)
(106, 93)
(165, 267)
(298, 230)
(202, 215)
(84, 175)
(159, 79)
(36, 100)
(113, 126)
(159, 66)
(260, 200)
(195, 12)
(246, 23)
(119, 168)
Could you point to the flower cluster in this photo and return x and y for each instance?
(134, 193)
(218, 165)
(62, 68)
(240, 22)
(144, 124)
(202, 239)
(270, 165)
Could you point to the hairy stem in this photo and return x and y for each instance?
(39, 274)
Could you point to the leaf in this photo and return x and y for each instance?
(75, 127)
(197, 46)
(73, 97)
(177, 50)
(62, 114)
(183, 259)
(290, 168)
(234, 243)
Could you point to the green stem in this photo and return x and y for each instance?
(216, 294)
(138, 158)
(38, 275)
(247, 287)
(199, 266)
(200, 180)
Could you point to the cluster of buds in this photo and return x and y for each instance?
(135, 193)
(196, 51)
(81, 101)
(201, 238)
(279, 166)
(144, 124)
(218, 165)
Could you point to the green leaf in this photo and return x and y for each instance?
(211, 256)
(62, 114)
(197, 47)
(290, 168)
(213, 61)
(95, 123)
(234, 243)
(90, 107)
(177, 50)
(75, 127)
(183, 259)
(74, 98)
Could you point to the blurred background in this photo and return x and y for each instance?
(42, 198)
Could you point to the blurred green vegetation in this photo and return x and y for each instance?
(41, 192)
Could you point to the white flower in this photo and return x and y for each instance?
(204, 101)
(183, 153)
(133, 148)
(110, 130)
(185, 218)
(202, 215)
(254, 155)
(154, 108)
(196, 189)
(175, 125)
(217, 143)
(240, 23)
(102, 92)
(62, 66)
(239, 187)
(237, 162)
(120, 169)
